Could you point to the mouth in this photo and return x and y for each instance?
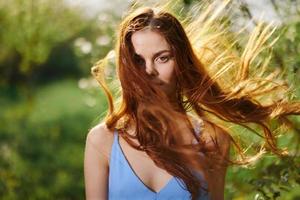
(158, 82)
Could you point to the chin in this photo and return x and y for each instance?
(169, 91)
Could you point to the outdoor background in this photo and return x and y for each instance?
(48, 100)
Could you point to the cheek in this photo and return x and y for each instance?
(167, 72)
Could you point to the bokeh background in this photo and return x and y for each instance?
(49, 101)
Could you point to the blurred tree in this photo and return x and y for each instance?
(30, 30)
(42, 150)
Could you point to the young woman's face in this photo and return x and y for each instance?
(153, 53)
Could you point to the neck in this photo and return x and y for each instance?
(175, 104)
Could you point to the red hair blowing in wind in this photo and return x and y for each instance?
(214, 84)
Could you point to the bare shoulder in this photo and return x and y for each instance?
(96, 161)
(100, 138)
(100, 132)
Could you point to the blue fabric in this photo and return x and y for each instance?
(124, 184)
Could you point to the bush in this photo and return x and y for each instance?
(43, 143)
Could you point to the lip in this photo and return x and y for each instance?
(158, 82)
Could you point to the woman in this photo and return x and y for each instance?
(152, 147)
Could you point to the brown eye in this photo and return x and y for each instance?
(163, 59)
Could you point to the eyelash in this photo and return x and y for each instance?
(165, 58)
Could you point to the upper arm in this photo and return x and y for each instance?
(218, 141)
(96, 162)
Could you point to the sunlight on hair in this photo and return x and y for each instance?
(224, 77)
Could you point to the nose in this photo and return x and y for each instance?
(150, 69)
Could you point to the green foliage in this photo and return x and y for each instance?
(286, 54)
(42, 135)
(42, 143)
(278, 179)
(270, 178)
(33, 28)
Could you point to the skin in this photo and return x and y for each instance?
(153, 54)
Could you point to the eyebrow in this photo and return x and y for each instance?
(157, 53)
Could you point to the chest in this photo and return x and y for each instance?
(153, 177)
(144, 168)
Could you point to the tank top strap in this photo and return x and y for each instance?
(199, 127)
(117, 156)
(114, 155)
(197, 123)
(115, 136)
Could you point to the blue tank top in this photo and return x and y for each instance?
(124, 184)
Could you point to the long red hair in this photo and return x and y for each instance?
(199, 90)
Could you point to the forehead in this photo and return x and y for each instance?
(148, 42)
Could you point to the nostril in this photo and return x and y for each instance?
(153, 72)
(150, 69)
